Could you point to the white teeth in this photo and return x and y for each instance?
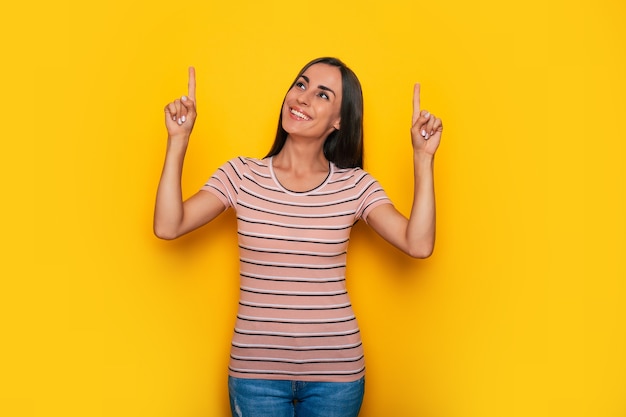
(300, 115)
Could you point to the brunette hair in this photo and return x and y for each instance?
(343, 147)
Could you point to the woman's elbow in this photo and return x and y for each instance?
(164, 233)
(421, 251)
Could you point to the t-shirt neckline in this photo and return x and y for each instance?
(300, 193)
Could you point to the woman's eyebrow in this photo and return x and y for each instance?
(321, 87)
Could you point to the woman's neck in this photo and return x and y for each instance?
(301, 158)
(300, 167)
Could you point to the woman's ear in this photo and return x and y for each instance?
(337, 124)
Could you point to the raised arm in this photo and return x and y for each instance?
(416, 235)
(172, 216)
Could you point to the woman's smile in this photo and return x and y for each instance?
(299, 114)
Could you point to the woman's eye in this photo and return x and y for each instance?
(324, 96)
(300, 85)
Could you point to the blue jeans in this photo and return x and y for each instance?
(267, 398)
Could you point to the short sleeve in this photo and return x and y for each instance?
(372, 196)
(225, 182)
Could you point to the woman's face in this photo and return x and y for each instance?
(312, 105)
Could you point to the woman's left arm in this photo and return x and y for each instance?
(416, 235)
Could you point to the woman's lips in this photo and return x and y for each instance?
(299, 114)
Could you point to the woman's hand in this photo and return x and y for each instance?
(180, 115)
(426, 128)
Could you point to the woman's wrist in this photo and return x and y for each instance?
(178, 142)
(423, 157)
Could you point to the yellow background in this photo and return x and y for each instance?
(520, 311)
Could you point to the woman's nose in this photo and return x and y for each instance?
(303, 98)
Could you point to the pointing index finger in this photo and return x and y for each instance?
(191, 87)
(416, 102)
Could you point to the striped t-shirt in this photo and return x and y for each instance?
(295, 320)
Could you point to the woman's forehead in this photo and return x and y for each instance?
(321, 71)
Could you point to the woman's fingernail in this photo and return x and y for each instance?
(184, 98)
(423, 132)
(174, 118)
(179, 122)
(427, 115)
(184, 118)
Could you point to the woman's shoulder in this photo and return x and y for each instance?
(248, 162)
(355, 174)
(247, 166)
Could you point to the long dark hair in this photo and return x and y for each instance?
(343, 147)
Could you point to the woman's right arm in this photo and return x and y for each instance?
(172, 216)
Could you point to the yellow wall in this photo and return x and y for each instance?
(521, 310)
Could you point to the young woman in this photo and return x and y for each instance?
(296, 348)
